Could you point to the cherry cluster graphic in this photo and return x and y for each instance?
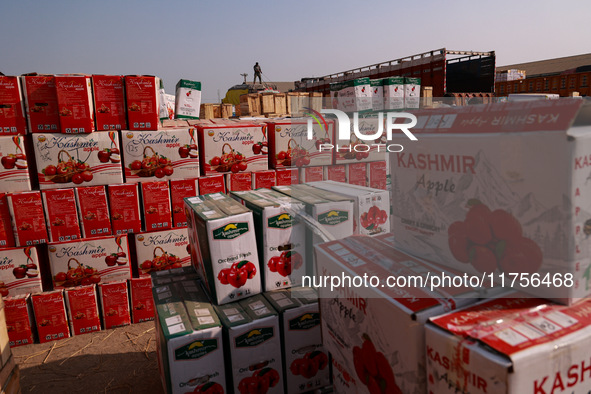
(490, 240)
(373, 369)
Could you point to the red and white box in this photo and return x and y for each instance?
(378, 173)
(357, 174)
(231, 146)
(93, 211)
(109, 102)
(142, 102)
(312, 174)
(6, 232)
(355, 150)
(74, 98)
(162, 250)
(50, 314)
(155, 197)
(264, 179)
(19, 322)
(212, 184)
(288, 176)
(12, 110)
(239, 182)
(154, 155)
(114, 304)
(179, 190)
(510, 345)
(289, 145)
(74, 160)
(142, 300)
(335, 172)
(89, 261)
(41, 102)
(14, 173)
(61, 214)
(19, 271)
(124, 204)
(83, 312)
(28, 219)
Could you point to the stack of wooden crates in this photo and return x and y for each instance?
(273, 105)
(9, 374)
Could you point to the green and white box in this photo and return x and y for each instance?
(412, 93)
(355, 96)
(394, 93)
(377, 94)
(188, 99)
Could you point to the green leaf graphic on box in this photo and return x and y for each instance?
(332, 218)
(195, 350)
(305, 322)
(254, 337)
(230, 231)
(282, 221)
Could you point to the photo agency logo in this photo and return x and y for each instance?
(395, 121)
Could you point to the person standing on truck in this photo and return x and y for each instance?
(257, 73)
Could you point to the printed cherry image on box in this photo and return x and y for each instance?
(469, 195)
(83, 312)
(353, 149)
(89, 261)
(231, 146)
(51, 319)
(19, 320)
(28, 220)
(93, 211)
(12, 110)
(114, 302)
(153, 155)
(162, 250)
(61, 214)
(87, 160)
(41, 103)
(74, 98)
(142, 101)
(109, 102)
(19, 271)
(14, 172)
(124, 203)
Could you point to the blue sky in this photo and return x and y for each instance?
(214, 41)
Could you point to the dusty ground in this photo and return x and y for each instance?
(122, 360)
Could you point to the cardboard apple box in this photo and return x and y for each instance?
(312, 174)
(356, 150)
(124, 203)
(354, 95)
(41, 103)
(394, 93)
(19, 320)
(377, 94)
(109, 102)
(378, 177)
(6, 232)
(162, 250)
(61, 214)
(114, 304)
(19, 271)
(93, 211)
(288, 176)
(264, 179)
(212, 184)
(50, 314)
(188, 99)
(73, 160)
(156, 155)
(142, 101)
(142, 302)
(335, 172)
(74, 98)
(83, 313)
(155, 197)
(357, 174)
(89, 261)
(179, 190)
(239, 182)
(14, 172)
(412, 92)
(12, 110)
(28, 220)
(166, 105)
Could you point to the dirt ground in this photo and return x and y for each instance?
(121, 360)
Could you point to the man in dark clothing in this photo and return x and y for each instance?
(257, 73)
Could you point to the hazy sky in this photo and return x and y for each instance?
(214, 41)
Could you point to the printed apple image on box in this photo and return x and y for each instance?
(353, 96)
(19, 320)
(288, 176)
(179, 190)
(41, 103)
(357, 174)
(114, 304)
(155, 197)
(142, 102)
(83, 312)
(223, 237)
(253, 346)
(264, 179)
(305, 361)
(6, 232)
(166, 105)
(162, 250)
(28, 220)
(109, 102)
(231, 146)
(312, 174)
(68, 161)
(412, 92)
(14, 172)
(89, 261)
(188, 99)
(12, 110)
(394, 93)
(124, 203)
(281, 237)
(239, 182)
(369, 146)
(142, 302)
(61, 214)
(50, 314)
(212, 184)
(74, 99)
(335, 172)
(164, 154)
(290, 145)
(93, 211)
(378, 175)
(377, 94)
(19, 271)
